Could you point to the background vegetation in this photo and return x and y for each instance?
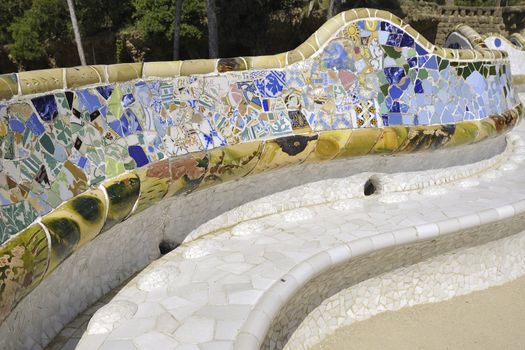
(38, 34)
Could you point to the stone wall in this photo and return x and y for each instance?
(483, 19)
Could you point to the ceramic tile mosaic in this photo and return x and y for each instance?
(464, 37)
(516, 53)
(261, 269)
(81, 158)
(518, 39)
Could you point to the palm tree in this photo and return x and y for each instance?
(213, 36)
(176, 30)
(76, 31)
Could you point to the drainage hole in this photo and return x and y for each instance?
(370, 188)
(166, 246)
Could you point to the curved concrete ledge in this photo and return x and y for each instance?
(84, 149)
(253, 289)
(437, 279)
(365, 259)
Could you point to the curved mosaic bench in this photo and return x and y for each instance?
(518, 40)
(250, 283)
(467, 38)
(85, 148)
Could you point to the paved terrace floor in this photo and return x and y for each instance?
(203, 292)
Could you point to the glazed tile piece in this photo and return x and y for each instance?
(73, 224)
(23, 263)
(82, 149)
(122, 193)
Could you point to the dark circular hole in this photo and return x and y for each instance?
(167, 246)
(370, 188)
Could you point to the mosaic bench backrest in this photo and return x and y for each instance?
(84, 148)
(518, 40)
(467, 38)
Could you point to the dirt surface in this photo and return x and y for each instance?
(490, 319)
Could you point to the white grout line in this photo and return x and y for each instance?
(48, 237)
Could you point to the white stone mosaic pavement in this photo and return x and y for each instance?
(213, 291)
(437, 279)
(201, 295)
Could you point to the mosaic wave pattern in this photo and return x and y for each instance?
(82, 149)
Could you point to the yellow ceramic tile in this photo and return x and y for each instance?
(154, 182)
(38, 81)
(465, 133)
(8, 86)
(281, 58)
(391, 139)
(518, 79)
(231, 64)
(311, 43)
(191, 67)
(333, 25)
(293, 56)
(322, 35)
(285, 151)
(124, 72)
(426, 137)
(382, 14)
(74, 223)
(123, 192)
(161, 69)
(306, 50)
(330, 144)
(231, 162)
(262, 62)
(362, 12)
(84, 75)
(187, 172)
(360, 142)
(24, 259)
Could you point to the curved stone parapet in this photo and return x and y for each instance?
(83, 149)
(518, 39)
(464, 37)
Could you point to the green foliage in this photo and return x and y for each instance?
(24, 39)
(37, 33)
(34, 33)
(98, 16)
(155, 18)
(10, 9)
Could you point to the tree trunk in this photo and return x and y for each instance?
(76, 31)
(213, 35)
(331, 9)
(176, 30)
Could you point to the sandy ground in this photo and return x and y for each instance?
(490, 319)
